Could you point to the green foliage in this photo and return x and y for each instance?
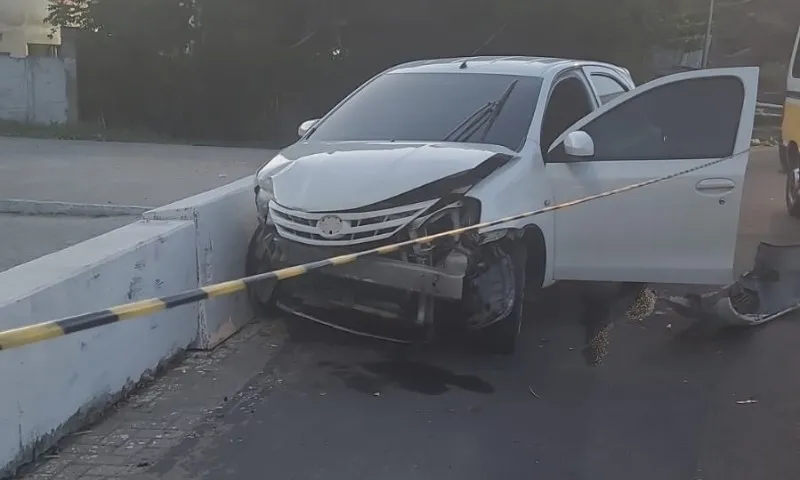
(253, 69)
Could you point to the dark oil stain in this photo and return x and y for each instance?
(412, 376)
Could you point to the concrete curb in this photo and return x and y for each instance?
(36, 207)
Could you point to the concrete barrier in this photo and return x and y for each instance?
(224, 218)
(51, 388)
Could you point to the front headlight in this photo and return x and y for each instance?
(270, 169)
(459, 214)
(264, 193)
(264, 188)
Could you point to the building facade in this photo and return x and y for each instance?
(23, 31)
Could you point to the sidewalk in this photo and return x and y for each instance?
(140, 430)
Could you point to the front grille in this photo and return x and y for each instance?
(356, 227)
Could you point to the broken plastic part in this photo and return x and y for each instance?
(769, 291)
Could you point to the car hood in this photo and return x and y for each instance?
(340, 176)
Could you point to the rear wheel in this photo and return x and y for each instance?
(501, 337)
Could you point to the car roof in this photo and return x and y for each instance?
(506, 65)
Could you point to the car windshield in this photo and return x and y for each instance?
(433, 107)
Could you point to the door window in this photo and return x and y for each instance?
(694, 118)
(607, 88)
(569, 102)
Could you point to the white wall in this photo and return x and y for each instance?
(50, 388)
(33, 90)
(225, 219)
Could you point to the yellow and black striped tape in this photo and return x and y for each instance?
(44, 331)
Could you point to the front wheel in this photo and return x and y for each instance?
(501, 337)
(261, 294)
(792, 186)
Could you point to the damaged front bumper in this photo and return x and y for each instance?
(769, 291)
(442, 282)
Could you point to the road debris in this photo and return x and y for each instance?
(769, 291)
(530, 389)
(746, 402)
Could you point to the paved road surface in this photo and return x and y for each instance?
(664, 406)
(119, 173)
(102, 173)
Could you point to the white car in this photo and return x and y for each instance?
(432, 145)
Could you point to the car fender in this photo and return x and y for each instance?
(518, 187)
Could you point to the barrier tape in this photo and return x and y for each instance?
(27, 335)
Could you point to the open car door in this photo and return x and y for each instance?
(682, 230)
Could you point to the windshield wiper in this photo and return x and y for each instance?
(498, 107)
(469, 123)
(476, 120)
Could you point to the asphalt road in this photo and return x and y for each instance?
(674, 400)
(118, 173)
(102, 173)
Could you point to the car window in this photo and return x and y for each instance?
(687, 119)
(428, 106)
(569, 102)
(607, 88)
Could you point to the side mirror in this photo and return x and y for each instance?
(578, 144)
(305, 127)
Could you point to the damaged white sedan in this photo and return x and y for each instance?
(434, 145)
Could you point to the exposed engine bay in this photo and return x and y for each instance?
(471, 274)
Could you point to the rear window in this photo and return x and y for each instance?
(427, 107)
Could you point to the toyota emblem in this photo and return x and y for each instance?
(330, 226)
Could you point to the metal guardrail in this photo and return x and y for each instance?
(769, 110)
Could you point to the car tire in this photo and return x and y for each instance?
(262, 294)
(500, 338)
(783, 157)
(792, 195)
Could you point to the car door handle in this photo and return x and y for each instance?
(715, 186)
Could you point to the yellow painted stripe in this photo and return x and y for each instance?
(342, 259)
(290, 272)
(225, 288)
(138, 309)
(387, 249)
(30, 334)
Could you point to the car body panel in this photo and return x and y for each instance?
(331, 177)
(679, 231)
(631, 245)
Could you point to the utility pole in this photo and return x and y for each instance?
(707, 39)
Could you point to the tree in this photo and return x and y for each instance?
(238, 69)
